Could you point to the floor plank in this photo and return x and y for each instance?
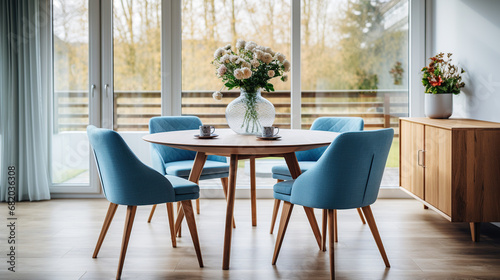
(56, 239)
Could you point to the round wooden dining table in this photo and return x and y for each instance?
(240, 147)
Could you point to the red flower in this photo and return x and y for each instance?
(435, 83)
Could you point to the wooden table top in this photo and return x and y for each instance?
(228, 142)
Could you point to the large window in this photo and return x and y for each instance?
(354, 61)
(117, 63)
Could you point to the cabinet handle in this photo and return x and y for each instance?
(418, 158)
(92, 89)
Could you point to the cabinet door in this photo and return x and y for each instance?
(438, 168)
(411, 173)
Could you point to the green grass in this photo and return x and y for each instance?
(393, 159)
(62, 176)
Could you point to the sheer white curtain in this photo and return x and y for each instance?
(24, 100)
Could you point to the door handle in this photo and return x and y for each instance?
(106, 87)
(418, 158)
(92, 89)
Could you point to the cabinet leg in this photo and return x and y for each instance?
(475, 229)
(426, 207)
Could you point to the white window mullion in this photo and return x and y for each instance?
(171, 64)
(106, 87)
(295, 93)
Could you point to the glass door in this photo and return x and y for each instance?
(75, 84)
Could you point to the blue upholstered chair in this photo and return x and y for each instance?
(347, 176)
(127, 181)
(177, 162)
(308, 158)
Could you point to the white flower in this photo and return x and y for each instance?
(240, 44)
(258, 54)
(246, 64)
(227, 47)
(269, 51)
(247, 73)
(286, 65)
(222, 70)
(267, 58)
(239, 61)
(217, 95)
(261, 48)
(225, 58)
(270, 73)
(218, 52)
(233, 58)
(238, 74)
(279, 56)
(250, 46)
(255, 63)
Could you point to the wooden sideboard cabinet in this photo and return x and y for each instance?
(453, 167)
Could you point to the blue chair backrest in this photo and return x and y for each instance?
(349, 173)
(161, 154)
(124, 178)
(338, 124)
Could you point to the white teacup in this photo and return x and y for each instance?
(206, 130)
(268, 131)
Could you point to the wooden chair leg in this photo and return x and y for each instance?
(171, 223)
(180, 216)
(323, 230)
(331, 222)
(275, 211)
(224, 182)
(286, 212)
(105, 226)
(335, 232)
(188, 212)
(198, 206)
(151, 213)
(275, 214)
(253, 191)
(373, 227)
(178, 221)
(314, 225)
(129, 222)
(475, 231)
(361, 216)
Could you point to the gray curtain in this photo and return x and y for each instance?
(24, 100)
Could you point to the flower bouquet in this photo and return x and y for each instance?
(249, 67)
(441, 76)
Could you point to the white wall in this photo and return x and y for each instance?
(470, 29)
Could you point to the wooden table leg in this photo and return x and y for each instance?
(253, 195)
(475, 229)
(194, 176)
(233, 168)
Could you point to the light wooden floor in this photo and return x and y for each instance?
(55, 240)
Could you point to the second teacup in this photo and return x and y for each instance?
(268, 131)
(206, 130)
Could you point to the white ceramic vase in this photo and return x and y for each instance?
(438, 106)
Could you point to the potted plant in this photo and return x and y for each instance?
(249, 67)
(441, 80)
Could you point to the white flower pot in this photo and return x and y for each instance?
(438, 106)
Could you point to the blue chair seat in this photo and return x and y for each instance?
(281, 172)
(212, 169)
(283, 190)
(182, 186)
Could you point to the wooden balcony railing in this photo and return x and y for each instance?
(380, 108)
